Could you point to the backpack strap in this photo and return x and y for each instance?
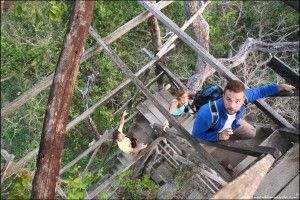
(214, 114)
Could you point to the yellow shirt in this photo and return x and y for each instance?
(125, 145)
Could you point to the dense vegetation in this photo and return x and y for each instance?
(32, 34)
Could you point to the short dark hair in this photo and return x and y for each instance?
(235, 86)
(116, 134)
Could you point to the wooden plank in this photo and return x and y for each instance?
(284, 71)
(124, 29)
(294, 4)
(155, 112)
(162, 100)
(212, 61)
(166, 70)
(239, 148)
(47, 81)
(166, 95)
(291, 191)
(143, 109)
(284, 171)
(293, 134)
(244, 186)
(26, 96)
(276, 139)
(172, 39)
(207, 157)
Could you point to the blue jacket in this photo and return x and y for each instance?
(203, 119)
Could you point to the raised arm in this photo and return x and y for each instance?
(172, 107)
(122, 121)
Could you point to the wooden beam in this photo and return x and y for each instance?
(46, 82)
(294, 4)
(174, 37)
(130, 101)
(230, 146)
(124, 29)
(244, 186)
(284, 71)
(165, 69)
(207, 158)
(212, 61)
(97, 144)
(293, 134)
(26, 96)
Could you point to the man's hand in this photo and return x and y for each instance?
(224, 135)
(166, 125)
(286, 87)
(124, 113)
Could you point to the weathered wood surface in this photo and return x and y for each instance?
(228, 145)
(138, 92)
(276, 139)
(26, 96)
(293, 134)
(54, 127)
(291, 191)
(47, 81)
(207, 158)
(244, 186)
(125, 29)
(211, 60)
(156, 41)
(294, 4)
(284, 171)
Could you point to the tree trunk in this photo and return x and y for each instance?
(52, 139)
(201, 35)
(156, 40)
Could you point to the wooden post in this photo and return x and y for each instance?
(156, 40)
(52, 140)
(207, 158)
(244, 186)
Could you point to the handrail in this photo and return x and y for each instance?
(251, 150)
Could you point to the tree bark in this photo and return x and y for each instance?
(156, 40)
(201, 35)
(251, 45)
(54, 127)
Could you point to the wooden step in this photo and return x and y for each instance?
(167, 95)
(285, 170)
(276, 139)
(144, 110)
(139, 133)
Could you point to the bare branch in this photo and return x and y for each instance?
(256, 45)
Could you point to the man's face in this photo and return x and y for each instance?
(233, 101)
(121, 137)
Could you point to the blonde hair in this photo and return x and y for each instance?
(179, 94)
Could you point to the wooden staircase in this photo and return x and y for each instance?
(165, 157)
(237, 163)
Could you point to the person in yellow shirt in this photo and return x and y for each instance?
(126, 144)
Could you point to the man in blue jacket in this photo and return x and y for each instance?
(222, 118)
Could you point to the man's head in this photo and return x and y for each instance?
(234, 96)
(117, 135)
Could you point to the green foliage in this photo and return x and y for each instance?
(138, 188)
(19, 187)
(75, 187)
